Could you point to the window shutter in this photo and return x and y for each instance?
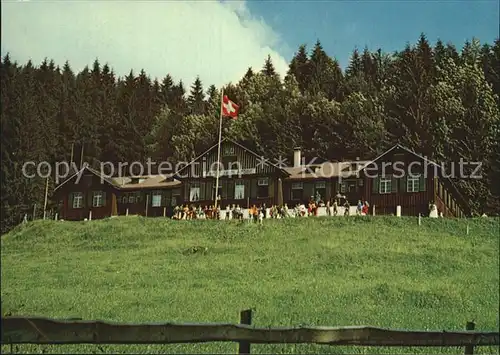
(70, 199)
(403, 182)
(253, 188)
(308, 190)
(202, 190)
(376, 185)
(422, 183)
(104, 198)
(271, 188)
(394, 183)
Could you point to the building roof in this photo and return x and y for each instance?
(225, 139)
(325, 170)
(81, 172)
(463, 200)
(150, 182)
(128, 183)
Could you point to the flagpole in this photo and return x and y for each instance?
(218, 148)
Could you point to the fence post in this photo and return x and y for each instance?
(245, 318)
(469, 349)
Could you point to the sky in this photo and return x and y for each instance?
(219, 40)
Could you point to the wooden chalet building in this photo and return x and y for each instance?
(87, 194)
(246, 178)
(401, 177)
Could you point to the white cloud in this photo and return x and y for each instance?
(216, 40)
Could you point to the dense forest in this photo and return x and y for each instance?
(438, 100)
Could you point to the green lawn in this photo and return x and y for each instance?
(379, 271)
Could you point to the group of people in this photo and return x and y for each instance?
(257, 213)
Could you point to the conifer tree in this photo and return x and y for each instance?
(300, 68)
(268, 68)
(196, 99)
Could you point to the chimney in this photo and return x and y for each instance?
(297, 159)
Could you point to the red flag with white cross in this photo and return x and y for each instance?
(229, 108)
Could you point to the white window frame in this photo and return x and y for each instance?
(97, 199)
(320, 185)
(263, 181)
(239, 183)
(229, 151)
(386, 183)
(413, 183)
(77, 196)
(154, 198)
(297, 186)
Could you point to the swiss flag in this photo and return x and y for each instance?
(229, 108)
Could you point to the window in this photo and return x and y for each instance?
(343, 187)
(97, 199)
(194, 191)
(385, 185)
(175, 197)
(77, 200)
(413, 183)
(320, 188)
(125, 199)
(297, 191)
(156, 199)
(399, 157)
(239, 190)
(263, 187)
(219, 193)
(228, 151)
(263, 182)
(131, 198)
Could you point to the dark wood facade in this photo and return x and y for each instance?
(78, 197)
(93, 197)
(245, 178)
(400, 177)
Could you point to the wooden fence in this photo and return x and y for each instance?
(20, 330)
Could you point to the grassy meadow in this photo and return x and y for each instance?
(379, 271)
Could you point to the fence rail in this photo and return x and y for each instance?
(20, 330)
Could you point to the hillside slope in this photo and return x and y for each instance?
(382, 271)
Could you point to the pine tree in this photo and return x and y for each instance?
(326, 75)
(268, 68)
(249, 74)
(439, 53)
(300, 68)
(196, 98)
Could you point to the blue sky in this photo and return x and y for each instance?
(219, 40)
(343, 25)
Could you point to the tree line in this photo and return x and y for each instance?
(440, 100)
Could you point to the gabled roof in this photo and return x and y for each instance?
(325, 170)
(396, 146)
(125, 183)
(89, 169)
(429, 162)
(225, 139)
(153, 181)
